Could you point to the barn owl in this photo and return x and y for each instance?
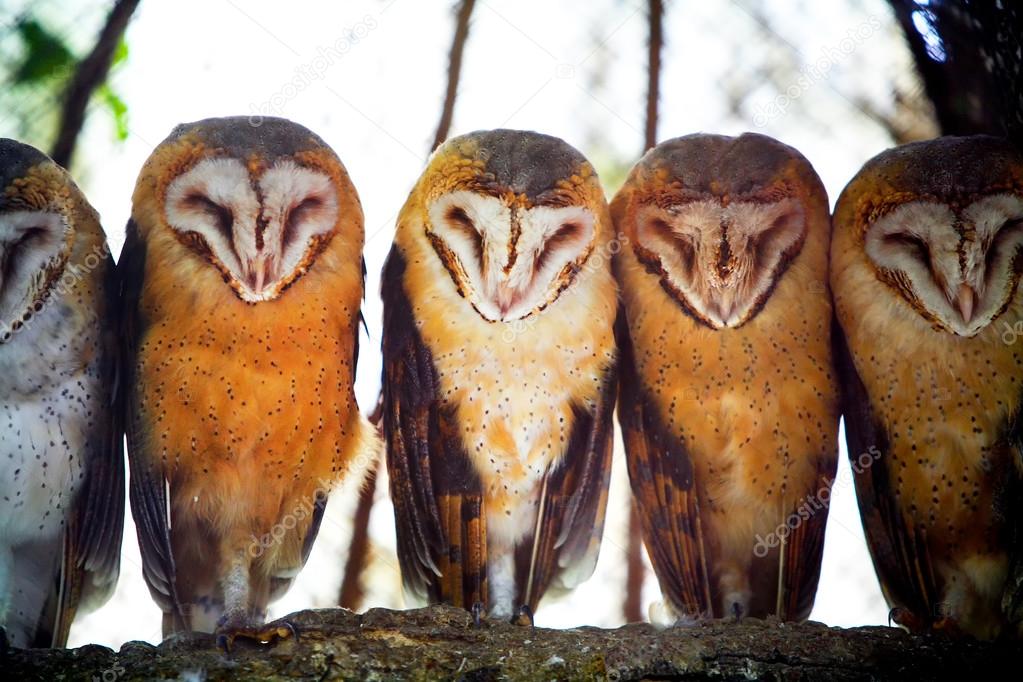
(241, 282)
(728, 402)
(499, 372)
(61, 458)
(925, 269)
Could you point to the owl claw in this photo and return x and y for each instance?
(269, 633)
(905, 618)
(524, 616)
(477, 614)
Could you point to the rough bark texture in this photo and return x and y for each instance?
(441, 643)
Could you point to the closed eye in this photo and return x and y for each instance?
(682, 244)
(300, 212)
(222, 216)
(781, 235)
(1009, 231)
(460, 220)
(563, 236)
(910, 241)
(31, 234)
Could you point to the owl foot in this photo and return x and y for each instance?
(947, 625)
(905, 618)
(737, 611)
(268, 633)
(524, 616)
(477, 611)
(687, 620)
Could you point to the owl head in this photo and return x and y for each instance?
(42, 213)
(258, 203)
(719, 219)
(513, 217)
(940, 223)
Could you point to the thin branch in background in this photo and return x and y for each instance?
(90, 74)
(635, 571)
(653, 89)
(454, 71)
(351, 593)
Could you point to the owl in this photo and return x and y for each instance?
(61, 457)
(499, 372)
(925, 267)
(241, 279)
(728, 403)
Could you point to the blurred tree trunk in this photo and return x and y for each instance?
(969, 57)
(90, 74)
(635, 570)
(352, 592)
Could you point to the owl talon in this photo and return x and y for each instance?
(948, 626)
(524, 616)
(905, 618)
(268, 634)
(477, 614)
(737, 611)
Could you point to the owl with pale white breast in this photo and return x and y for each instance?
(925, 268)
(61, 453)
(241, 278)
(499, 372)
(728, 402)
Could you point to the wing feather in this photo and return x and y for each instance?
(438, 500)
(91, 555)
(147, 487)
(664, 490)
(899, 549)
(570, 518)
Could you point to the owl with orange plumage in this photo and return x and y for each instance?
(729, 401)
(925, 268)
(499, 372)
(241, 282)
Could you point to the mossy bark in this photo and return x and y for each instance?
(442, 643)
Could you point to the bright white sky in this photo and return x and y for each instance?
(533, 64)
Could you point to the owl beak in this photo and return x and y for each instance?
(506, 299)
(966, 298)
(258, 271)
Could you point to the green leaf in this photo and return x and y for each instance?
(46, 55)
(118, 109)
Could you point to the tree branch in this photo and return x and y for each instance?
(654, 44)
(441, 643)
(635, 571)
(90, 74)
(352, 593)
(454, 70)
